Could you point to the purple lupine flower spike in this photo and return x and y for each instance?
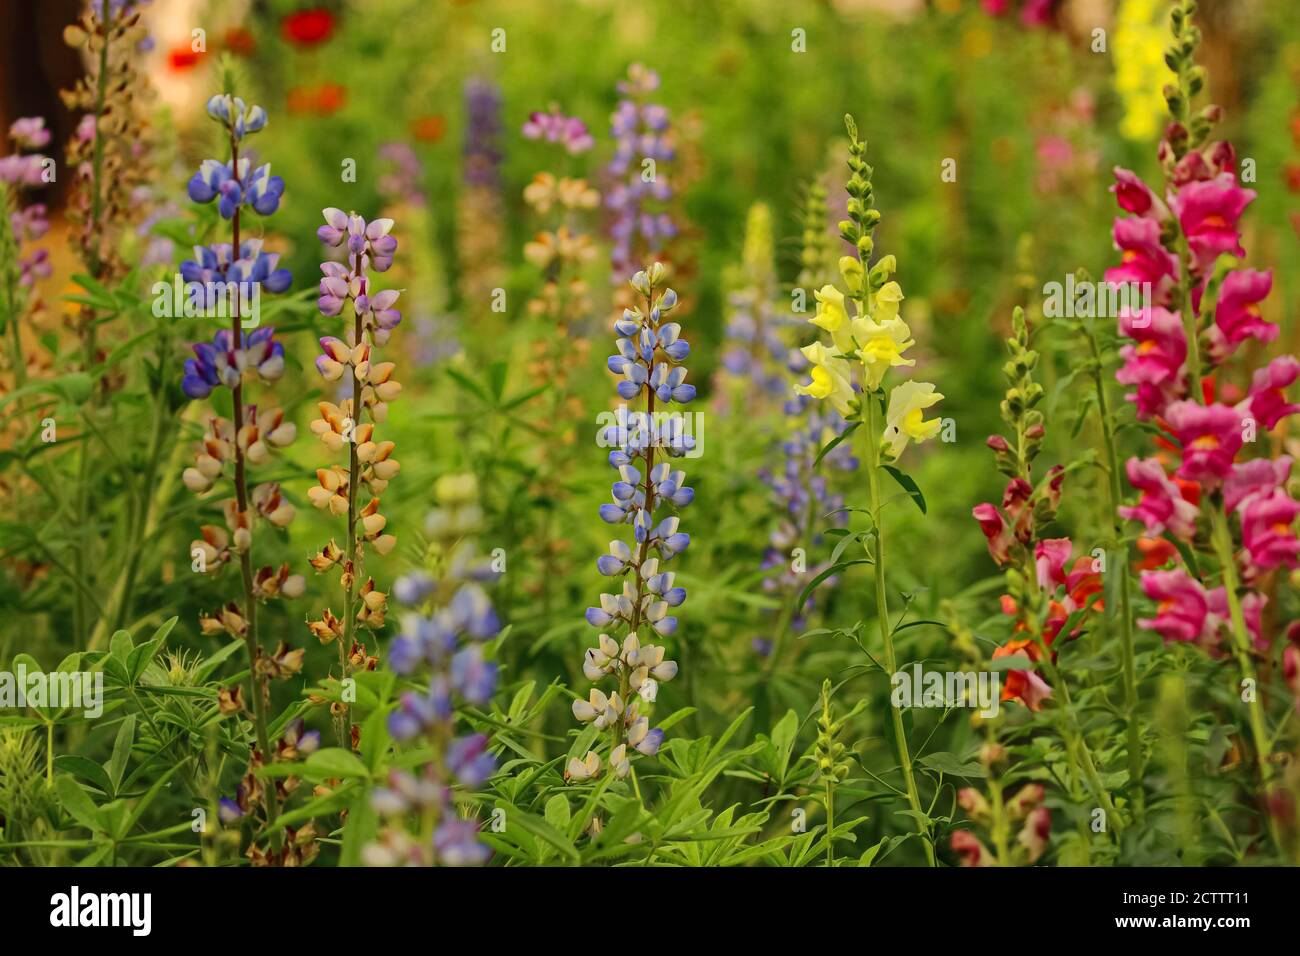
(647, 492)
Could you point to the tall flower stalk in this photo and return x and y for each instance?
(805, 498)
(480, 216)
(20, 225)
(1205, 306)
(109, 153)
(448, 621)
(640, 190)
(850, 373)
(562, 250)
(368, 386)
(1047, 588)
(649, 357)
(231, 447)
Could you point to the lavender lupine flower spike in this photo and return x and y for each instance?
(642, 143)
(448, 621)
(647, 495)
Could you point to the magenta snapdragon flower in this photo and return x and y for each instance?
(1268, 530)
(1211, 436)
(1236, 314)
(1155, 364)
(1144, 259)
(1135, 196)
(1208, 211)
(1266, 402)
(1182, 608)
(1162, 506)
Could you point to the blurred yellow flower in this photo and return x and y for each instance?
(1141, 32)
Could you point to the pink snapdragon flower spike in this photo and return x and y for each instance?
(1135, 196)
(1268, 530)
(1162, 506)
(995, 530)
(1049, 560)
(1249, 479)
(1211, 436)
(1182, 609)
(1236, 314)
(1156, 363)
(1291, 661)
(1266, 402)
(1208, 212)
(1252, 611)
(1143, 258)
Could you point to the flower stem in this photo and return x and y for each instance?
(257, 685)
(350, 562)
(1115, 497)
(886, 635)
(1222, 540)
(830, 821)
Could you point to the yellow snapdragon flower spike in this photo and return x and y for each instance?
(830, 377)
(881, 346)
(904, 419)
(885, 303)
(851, 269)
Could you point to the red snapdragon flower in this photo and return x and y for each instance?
(308, 28)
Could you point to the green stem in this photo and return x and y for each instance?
(1115, 496)
(1222, 539)
(257, 684)
(830, 821)
(886, 635)
(350, 561)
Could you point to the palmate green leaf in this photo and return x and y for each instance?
(321, 806)
(121, 751)
(543, 831)
(86, 769)
(557, 812)
(334, 762)
(74, 799)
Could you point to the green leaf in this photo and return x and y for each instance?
(832, 570)
(952, 765)
(907, 484)
(86, 769)
(121, 751)
(557, 812)
(120, 646)
(336, 762)
(830, 445)
(77, 802)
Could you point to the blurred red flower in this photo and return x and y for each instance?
(239, 41)
(181, 57)
(428, 129)
(330, 98)
(308, 27)
(321, 100)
